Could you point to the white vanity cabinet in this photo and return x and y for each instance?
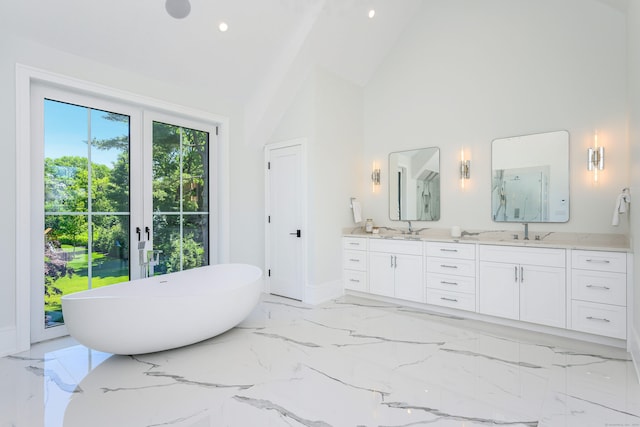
(599, 293)
(396, 269)
(354, 263)
(451, 275)
(578, 290)
(526, 284)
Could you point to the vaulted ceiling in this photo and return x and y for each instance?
(140, 35)
(266, 41)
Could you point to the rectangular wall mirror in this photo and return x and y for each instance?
(530, 178)
(414, 185)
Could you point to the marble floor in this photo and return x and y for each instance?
(350, 362)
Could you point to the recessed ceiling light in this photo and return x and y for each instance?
(372, 13)
(223, 27)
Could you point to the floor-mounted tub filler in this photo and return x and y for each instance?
(163, 312)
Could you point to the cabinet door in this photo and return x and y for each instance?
(381, 274)
(408, 275)
(543, 295)
(499, 289)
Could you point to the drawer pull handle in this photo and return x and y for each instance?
(354, 243)
(449, 299)
(448, 283)
(602, 319)
(354, 260)
(354, 280)
(599, 287)
(599, 261)
(448, 266)
(448, 250)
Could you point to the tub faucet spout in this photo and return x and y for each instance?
(153, 259)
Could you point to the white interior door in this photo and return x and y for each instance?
(285, 217)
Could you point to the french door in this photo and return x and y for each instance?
(119, 194)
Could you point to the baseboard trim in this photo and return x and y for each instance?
(633, 344)
(317, 294)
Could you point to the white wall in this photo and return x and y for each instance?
(328, 112)
(246, 179)
(633, 37)
(337, 159)
(466, 72)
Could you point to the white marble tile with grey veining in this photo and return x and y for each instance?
(350, 362)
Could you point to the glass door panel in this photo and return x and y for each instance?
(180, 186)
(110, 250)
(86, 201)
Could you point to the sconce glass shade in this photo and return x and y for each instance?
(595, 158)
(375, 176)
(465, 169)
(178, 8)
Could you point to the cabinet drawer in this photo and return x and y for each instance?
(516, 255)
(600, 319)
(600, 260)
(354, 260)
(355, 280)
(598, 286)
(396, 246)
(451, 250)
(451, 299)
(446, 282)
(354, 243)
(459, 267)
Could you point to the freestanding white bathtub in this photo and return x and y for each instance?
(163, 312)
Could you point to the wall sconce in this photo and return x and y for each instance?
(465, 169)
(375, 177)
(595, 158)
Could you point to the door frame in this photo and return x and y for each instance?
(302, 142)
(18, 338)
(214, 203)
(38, 92)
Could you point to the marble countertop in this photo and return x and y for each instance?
(587, 241)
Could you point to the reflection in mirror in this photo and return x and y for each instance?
(414, 185)
(530, 178)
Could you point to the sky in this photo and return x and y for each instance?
(66, 129)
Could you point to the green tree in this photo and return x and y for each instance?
(180, 166)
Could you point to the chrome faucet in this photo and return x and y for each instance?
(410, 229)
(526, 231)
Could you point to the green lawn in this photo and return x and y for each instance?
(105, 271)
